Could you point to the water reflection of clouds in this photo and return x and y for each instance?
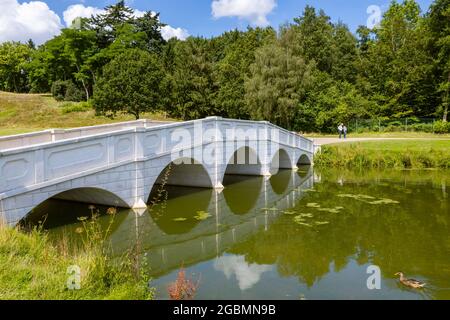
(246, 274)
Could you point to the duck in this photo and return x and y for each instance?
(412, 283)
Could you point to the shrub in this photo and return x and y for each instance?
(73, 93)
(441, 127)
(67, 91)
(70, 107)
(58, 89)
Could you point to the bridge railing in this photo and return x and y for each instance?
(52, 135)
(50, 157)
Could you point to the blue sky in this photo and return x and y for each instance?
(193, 17)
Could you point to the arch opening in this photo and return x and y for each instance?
(184, 172)
(66, 207)
(280, 161)
(182, 190)
(304, 160)
(243, 162)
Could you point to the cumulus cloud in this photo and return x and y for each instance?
(246, 274)
(34, 19)
(255, 11)
(79, 11)
(169, 32)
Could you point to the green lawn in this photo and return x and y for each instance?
(20, 113)
(386, 154)
(402, 145)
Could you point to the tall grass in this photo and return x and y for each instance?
(366, 155)
(33, 267)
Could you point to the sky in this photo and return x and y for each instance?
(41, 20)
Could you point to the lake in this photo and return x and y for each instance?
(310, 234)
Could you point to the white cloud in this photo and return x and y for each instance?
(79, 11)
(255, 11)
(169, 32)
(246, 274)
(138, 13)
(34, 19)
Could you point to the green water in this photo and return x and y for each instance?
(304, 235)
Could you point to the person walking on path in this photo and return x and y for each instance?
(344, 130)
(340, 130)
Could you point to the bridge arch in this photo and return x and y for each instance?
(303, 160)
(181, 172)
(244, 161)
(88, 195)
(280, 160)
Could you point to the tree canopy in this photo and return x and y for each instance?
(309, 75)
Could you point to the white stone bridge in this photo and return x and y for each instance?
(119, 164)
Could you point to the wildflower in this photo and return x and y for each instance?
(79, 230)
(111, 211)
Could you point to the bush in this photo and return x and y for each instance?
(442, 127)
(58, 89)
(67, 91)
(73, 93)
(421, 127)
(76, 107)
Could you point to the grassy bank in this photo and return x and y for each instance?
(33, 267)
(21, 113)
(386, 154)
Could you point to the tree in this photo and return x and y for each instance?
(193, 85)
(278, 84)
(106, 25)
(230, 72)
(14, 58)
(438, 23)
(130, 83)
(394, 66)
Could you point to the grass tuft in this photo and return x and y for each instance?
(33, 267)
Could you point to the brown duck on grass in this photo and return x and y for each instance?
(412, 283)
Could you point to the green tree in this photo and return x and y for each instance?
(438, 23)
(14, 58)
(131, 83)
(106, 25)
(192, 82)
(278, 84)
(230, 72)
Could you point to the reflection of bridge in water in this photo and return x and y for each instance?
(236, 213)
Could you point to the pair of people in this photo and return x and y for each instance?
(342, 129)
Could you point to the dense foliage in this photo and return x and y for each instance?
(308, 76)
